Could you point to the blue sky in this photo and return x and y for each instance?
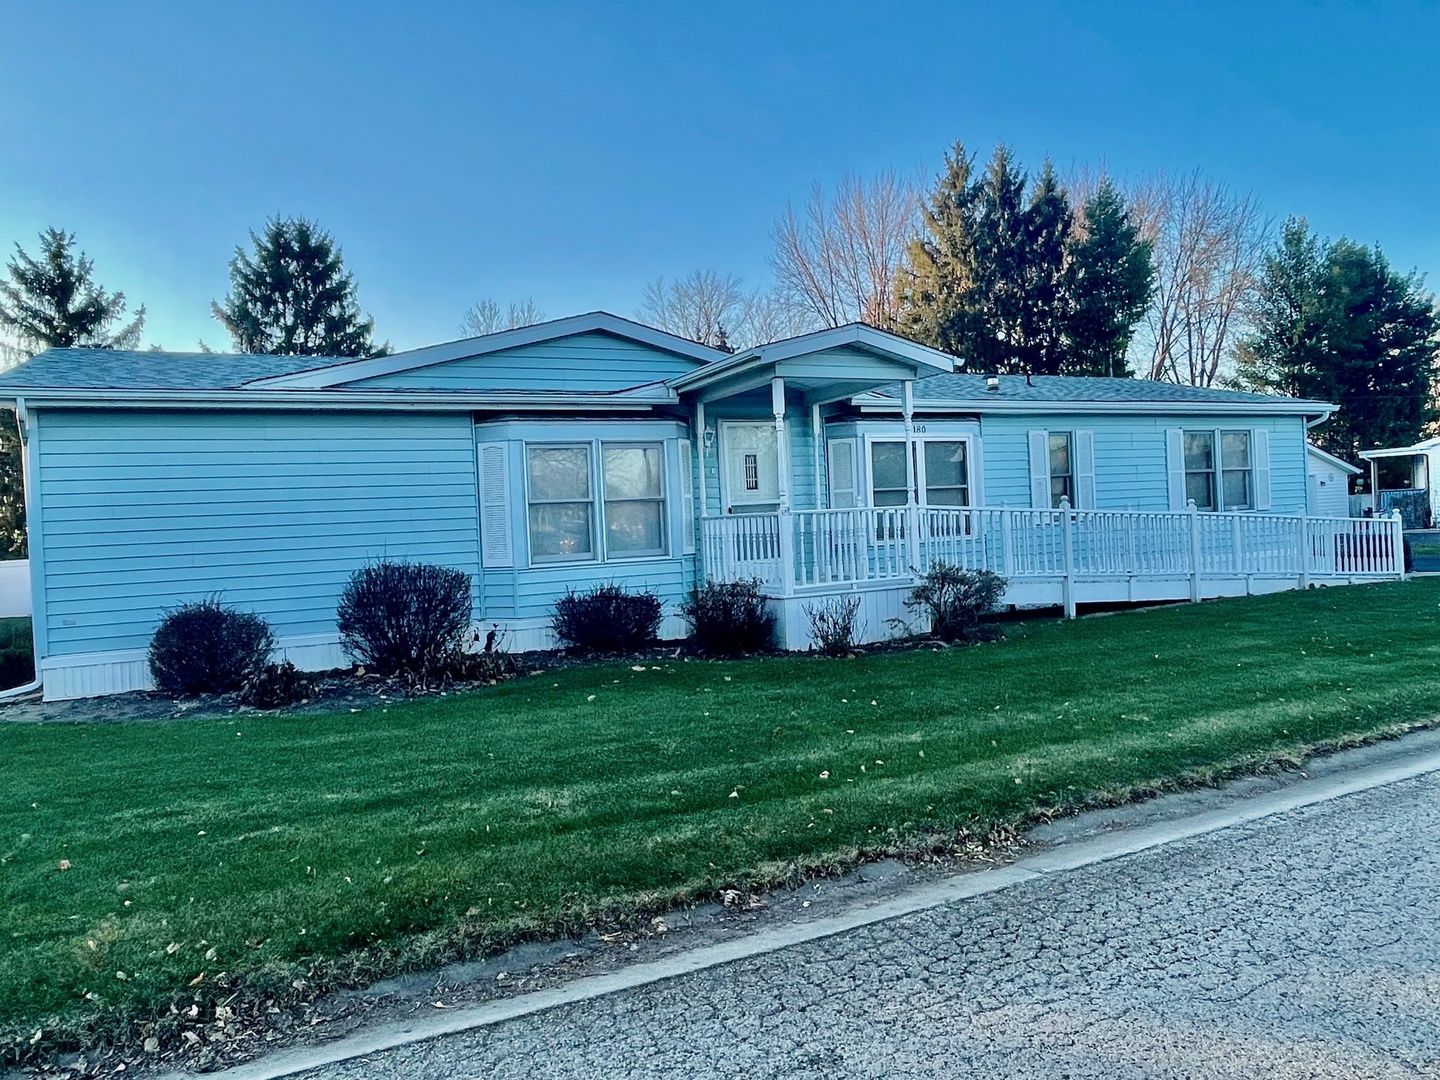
(571, 152)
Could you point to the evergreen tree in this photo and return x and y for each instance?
(992, 330)
(1334, 322)
(53, 301)
(937, 280)
(294, 297)
(1046, 300)
(13, 540)
(1109, 281)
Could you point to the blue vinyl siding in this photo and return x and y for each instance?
(141, 511)
(801, 445)
(1130, 464)
(580, 362)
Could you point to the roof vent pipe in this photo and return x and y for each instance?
(992, 384)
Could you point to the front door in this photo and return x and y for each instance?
(752, 467)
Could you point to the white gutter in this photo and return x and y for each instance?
(403, 401)
(22, 423)
(1109, 408)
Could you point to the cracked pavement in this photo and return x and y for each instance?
(1306, 944)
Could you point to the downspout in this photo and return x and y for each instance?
(22, 424)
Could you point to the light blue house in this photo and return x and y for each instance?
(593, 450)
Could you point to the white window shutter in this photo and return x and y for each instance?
(687, 493)
(495, 547)
(1085, 470)
(1260, 452)
(1040, 470)
(842, 474)
(1175, 467)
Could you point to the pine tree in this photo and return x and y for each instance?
(53, 301)
(1047, 302)
(1109, 281)
(1334, 322)
(937, 280)
(294, 297)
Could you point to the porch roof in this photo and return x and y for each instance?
(1424, 446)
(828, 365)
(1072, 393)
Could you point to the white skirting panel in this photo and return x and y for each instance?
(14, 588)
(882, 616)
(97, 674)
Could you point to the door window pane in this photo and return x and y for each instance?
(947, 476)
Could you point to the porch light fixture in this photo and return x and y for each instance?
(709, 437)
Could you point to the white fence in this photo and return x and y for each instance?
(1083, 554)
(14, 588)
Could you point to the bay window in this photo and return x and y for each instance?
(568, 520)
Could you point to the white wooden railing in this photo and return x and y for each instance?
(809, 550)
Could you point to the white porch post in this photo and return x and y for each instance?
(1194, 521)
(817, 441)
(782, 461)
(700, 455)
(1067, 552)
(1398, 539)
(912, 500)
(703, 546)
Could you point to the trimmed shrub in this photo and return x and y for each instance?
(833, 625)
(208, 648)
(956, 600)
(276, 685)
(408, 619)
(728, 618)
(607, 619)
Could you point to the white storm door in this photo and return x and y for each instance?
(752, 467)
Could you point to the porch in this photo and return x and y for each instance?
(1049, 558)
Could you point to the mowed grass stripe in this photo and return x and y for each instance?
(281, 843)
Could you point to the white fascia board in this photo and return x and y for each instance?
(395, 363)
(888, 345)
(1331, 460)
(891, 345)
(394, 401)
(868, 404)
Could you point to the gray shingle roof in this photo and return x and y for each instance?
(115, 369)
(1051, 388)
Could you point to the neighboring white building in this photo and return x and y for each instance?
(1407, 477)
(1329, 483)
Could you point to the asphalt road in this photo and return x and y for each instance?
(1304, 945)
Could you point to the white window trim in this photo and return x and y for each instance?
(1217, 473)
(662, 552)
(974, 474)
(595, 538)
(599, 536)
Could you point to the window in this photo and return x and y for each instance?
(888, 476)
(1062, 469)
(562, 507)
(1223, 483)
(946, 474)
(1200, 469)
(1237, 489)
(634, 500)
(942, 467)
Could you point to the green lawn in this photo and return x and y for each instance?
(267, 846)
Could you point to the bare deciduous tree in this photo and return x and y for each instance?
(714, 309)
(704, 306)
(839, 257)
(488, 317)
(1209, 245)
